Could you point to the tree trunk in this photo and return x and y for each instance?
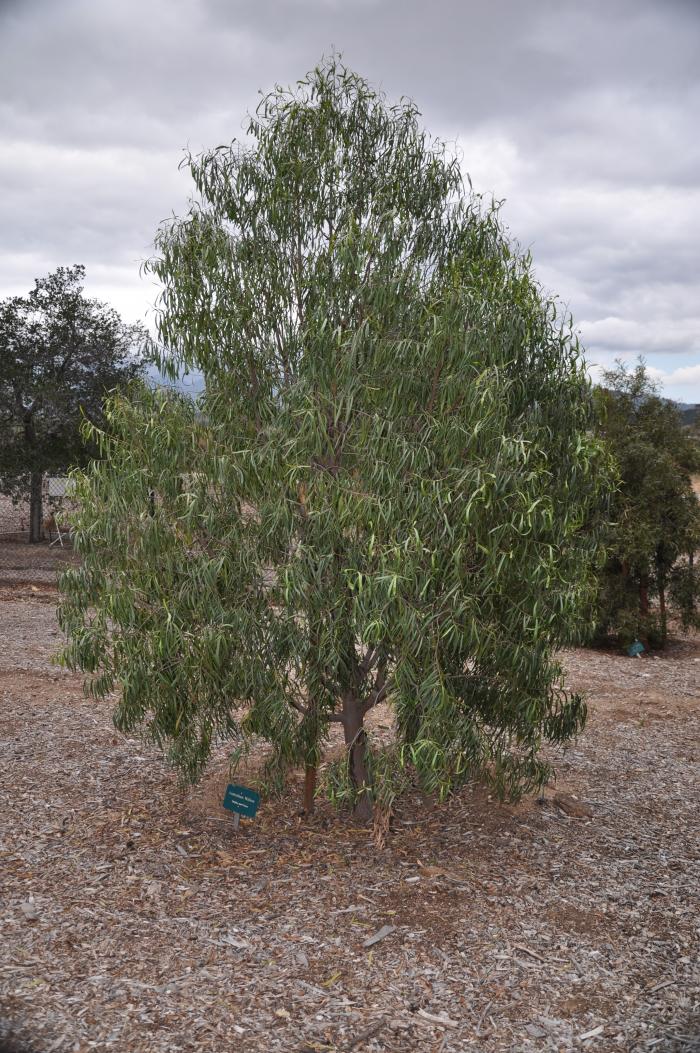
(309, 788)
(644, 595)
(691, 562)
(662, 609)
(356, 742)
(36, 508)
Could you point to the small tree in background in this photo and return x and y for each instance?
(59, 354)
(656, 513)
(382, 495)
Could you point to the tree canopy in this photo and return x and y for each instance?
(59, 354)
(390, 491)
(655, 510)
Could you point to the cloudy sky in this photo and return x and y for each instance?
(583, 116)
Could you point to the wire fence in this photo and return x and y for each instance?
(35, 560)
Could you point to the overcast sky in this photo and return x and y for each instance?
(584, 116)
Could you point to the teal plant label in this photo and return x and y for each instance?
(241, 800)
(635, 648)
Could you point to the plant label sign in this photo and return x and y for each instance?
(635, 649)
(241, 800)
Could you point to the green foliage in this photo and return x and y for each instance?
(656, 513)
(59, 354)
(390, 490)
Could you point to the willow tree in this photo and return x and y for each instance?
(388, 493)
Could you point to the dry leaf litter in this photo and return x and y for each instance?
(134, 918)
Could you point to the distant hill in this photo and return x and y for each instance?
(690, 413)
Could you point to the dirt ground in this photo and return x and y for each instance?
(135, 918)
(25, 564)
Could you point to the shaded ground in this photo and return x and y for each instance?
(134, 918)
(22, 563)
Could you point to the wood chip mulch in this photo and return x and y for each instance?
(134, 918)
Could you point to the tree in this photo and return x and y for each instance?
(59, 354)
(656, 512)
(382, 495)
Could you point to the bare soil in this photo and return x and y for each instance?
(135, 918)
(22, 563)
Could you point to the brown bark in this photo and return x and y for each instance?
(36, 508)
(309, 788)
(644, 595)
(356, 742)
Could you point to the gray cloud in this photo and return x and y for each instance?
(582, 116)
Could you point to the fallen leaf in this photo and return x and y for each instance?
(331, 979)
